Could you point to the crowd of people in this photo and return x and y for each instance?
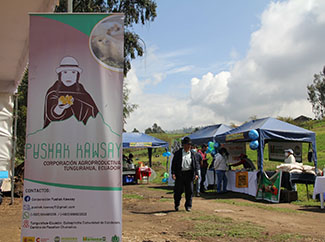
(189, 168)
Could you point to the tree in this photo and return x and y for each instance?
(155, 129)
(128, 108)
(316, 95)
(136, 11)
(286, 119)
(135, 130)
(21, 116)
(148, 131)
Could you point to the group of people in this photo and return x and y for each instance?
(128, 161)
(190, 164)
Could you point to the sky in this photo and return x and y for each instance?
(226, 61)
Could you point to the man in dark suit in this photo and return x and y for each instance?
(184, 170)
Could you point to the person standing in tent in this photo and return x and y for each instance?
(220, 166)
(289, 157)
(203, 166)
(246, 162)
(184, 171)
(199, 160)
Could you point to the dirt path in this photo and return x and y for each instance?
(148, 215)
(275, 219)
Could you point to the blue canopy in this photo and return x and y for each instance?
(206, 134)
(269, 129)
(141, 140)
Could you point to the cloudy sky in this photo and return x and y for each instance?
(210, 62)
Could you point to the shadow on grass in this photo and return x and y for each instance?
(168, 189)
(227, 195)
(211, 194)
(315, 209)
(154, 212)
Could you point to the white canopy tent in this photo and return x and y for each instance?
(14, 28)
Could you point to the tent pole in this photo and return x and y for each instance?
(167, 160)
(14, 138)
(70, 6)
(150, 156)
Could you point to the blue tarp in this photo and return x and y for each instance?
(141, 140)
(269, 129)
(206, 134)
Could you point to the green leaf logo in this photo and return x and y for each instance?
(115, 238)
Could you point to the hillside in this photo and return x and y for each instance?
(317, 126)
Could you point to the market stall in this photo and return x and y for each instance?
(270, 130)
(206, 134)
(238, 181)
(140, 140)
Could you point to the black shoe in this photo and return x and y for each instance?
(188, 209)
(176, 208)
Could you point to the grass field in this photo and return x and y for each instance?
(159, 163)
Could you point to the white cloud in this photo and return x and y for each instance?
(271, 80)
(167, 111)
(284, 54)
(210, 90)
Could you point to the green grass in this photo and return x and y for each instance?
(269, 207)
(288, 237)
(132, 196)
(166, 200)
(214, 226)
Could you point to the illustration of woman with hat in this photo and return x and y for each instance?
(67, 97)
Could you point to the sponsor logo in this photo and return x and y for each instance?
(42, 239)
(115, 238)
(69, 239)
(28, 239)
(26, 207)
(27, 198)
(26, 224)
(94, 239)
(238, 136)
(26, 215)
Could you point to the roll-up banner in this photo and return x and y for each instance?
(72, 189)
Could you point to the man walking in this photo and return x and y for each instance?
(184, 170)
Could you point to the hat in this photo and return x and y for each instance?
(69, 63)
(186, 141)
(289, 150)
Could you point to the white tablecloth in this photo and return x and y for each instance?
(211, 178)
(319, 188)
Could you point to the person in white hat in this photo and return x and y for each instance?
(67, 97)
(289, 157)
